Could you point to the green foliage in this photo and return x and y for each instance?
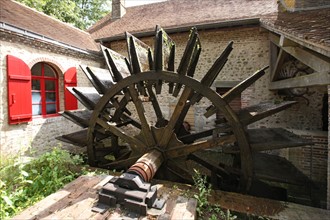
(204, 209)
(80, 13)
(23, 184)
(203, 191)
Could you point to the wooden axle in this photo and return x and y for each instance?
(147, 166)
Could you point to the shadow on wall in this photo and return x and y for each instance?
(45, 131)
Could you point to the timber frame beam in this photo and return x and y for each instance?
(283, 47)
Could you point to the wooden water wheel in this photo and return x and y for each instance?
(124, 116)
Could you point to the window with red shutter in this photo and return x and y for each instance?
(70, 80)
(44, 90)
(19, 91)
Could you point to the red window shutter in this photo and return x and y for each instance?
(19, 91)
(70, 80)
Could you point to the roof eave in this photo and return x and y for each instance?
(30, 34)
(186, 28)
(322, 49)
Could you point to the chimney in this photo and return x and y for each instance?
(118, 9)
(301, 5)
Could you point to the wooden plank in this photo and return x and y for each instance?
(61, 201)
(76, 199)
(314, 79)
(265, 207)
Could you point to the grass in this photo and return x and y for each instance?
(24, 184)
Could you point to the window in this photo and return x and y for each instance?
(44, 90)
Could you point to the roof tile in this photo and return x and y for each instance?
(178, 13)
(310, 26)
(28, 19)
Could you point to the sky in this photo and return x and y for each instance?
(130, 3)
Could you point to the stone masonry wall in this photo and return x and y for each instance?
(250, 53)
(39, 134)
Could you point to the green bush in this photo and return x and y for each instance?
(23, 184)
(204, 209)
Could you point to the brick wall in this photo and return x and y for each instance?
(312, 160)
(40, 133)
(251, 52)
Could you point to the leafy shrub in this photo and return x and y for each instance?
(204, 209)
(23, 184)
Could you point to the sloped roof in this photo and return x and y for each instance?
(27, 19)
(312, 26)
(181, 13)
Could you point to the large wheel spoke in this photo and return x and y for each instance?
(156, 106)
(187, 149)
(177, 114)
(145, 127)
(135, 143)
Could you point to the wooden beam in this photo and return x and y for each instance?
(314, 79)
(282, 55)
(285, 42)
(275, 39)
(313, 60)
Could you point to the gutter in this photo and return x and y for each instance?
(30, 34)
(186, 28)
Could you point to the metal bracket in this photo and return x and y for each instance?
(130, 191)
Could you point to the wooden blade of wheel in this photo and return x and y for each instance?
(138, 53)
(205, 162)
(79, 138)
(117, 64)
(214, 71)
(79, 117)
(145, 127)
(237, 90)
(163, 55)
(177, 114)
(139, 58)
(171, 68)
(159, 114)
(135, 143)
(177, 169)
(88, 96)
(100, 78)
(190, 138)
(262, 110)
(120, 109)
(128, 120)
(192, 48)
(185, 150)
(263, 139)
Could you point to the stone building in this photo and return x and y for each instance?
(292, 36)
